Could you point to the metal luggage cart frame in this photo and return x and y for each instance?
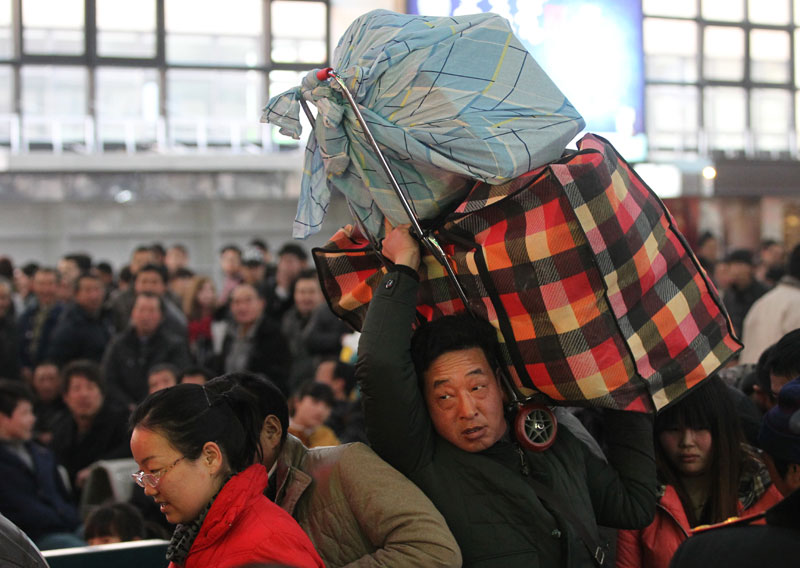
(535, 424)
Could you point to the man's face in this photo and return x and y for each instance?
(161, 380)
(464, 400)
(774, 255)
(68, 269)
(740, 273)
(290, 265)
(246, 306)
(18, 426)
(777, 382)
(230, 261)
(307, 295)
(146, 315)
(310, 412)
(83, 397)
(45, 287)
(149, 281)
(47, 382)
(175, 259)
(89, 294)
(139, 259)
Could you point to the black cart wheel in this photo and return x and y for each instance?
(535, 427)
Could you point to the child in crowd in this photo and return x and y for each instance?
(117, 522)
(310, 407)
(707, 475)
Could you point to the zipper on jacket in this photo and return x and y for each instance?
(523, 463)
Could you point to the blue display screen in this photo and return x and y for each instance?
(592, 49)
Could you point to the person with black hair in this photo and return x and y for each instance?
(707, 474)
(230, 262)
(784, 361)
(93, 428)
(85, 327)
(112, 523)
(253, 340)
(743, 290)
(9, 336)
(196, 375)
(378, 516)
(36, 324)
(434, 409)
(150, 279)
(32, 494)
(145, 343)
(774, 314)
(196, 449)
(309, 409)
(277, 289)
(743, 543)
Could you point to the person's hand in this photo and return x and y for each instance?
(401, 248)
(82, 476)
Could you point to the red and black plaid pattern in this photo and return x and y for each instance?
(594, 293)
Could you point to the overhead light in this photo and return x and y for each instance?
(709, 172)
(123, 196)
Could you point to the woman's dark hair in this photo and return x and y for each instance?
(707, 407)
(122, 520)
(270, 399)
(190, 415)
(452, 333)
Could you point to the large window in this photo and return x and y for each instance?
(103, 75)
(722, 76)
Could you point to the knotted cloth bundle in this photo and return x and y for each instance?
(449, 101)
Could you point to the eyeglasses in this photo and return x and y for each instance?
(143, 479)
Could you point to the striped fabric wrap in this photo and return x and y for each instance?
(596, 297)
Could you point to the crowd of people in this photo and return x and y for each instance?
(259, 438)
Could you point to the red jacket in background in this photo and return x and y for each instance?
(243, 526)
(655, 545)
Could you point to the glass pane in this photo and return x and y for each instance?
(769, 56)
(126, 29)
(215, 106)
(672, 116)
(771, 118)
(723, 10)
(6, 89)
(6, 38)
(54, 102)
(797, 57)
(724, 53)
(725, 114)
(797, 12)
(670, 48)
(53, 27)
(6, 103)
(768, 12)
(298, 44)
(676, 8)
(209, 31)
(127, 104)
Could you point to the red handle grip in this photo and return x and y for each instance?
(324, 74)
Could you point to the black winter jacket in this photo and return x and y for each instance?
(495, 513)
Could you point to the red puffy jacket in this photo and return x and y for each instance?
(244, 526)
(655, 545)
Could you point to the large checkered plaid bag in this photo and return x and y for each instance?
(597, 299)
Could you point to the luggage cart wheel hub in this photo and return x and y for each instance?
(535, 427)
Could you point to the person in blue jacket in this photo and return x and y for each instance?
(32, 494)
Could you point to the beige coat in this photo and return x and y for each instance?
(359, 511)
(773, 315)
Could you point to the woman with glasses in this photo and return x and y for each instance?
(195, 450)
